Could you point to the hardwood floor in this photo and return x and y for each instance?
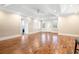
(38, 43)
(66, 44)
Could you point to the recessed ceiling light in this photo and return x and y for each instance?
(71, 6)
(55, 11)
(35, 21)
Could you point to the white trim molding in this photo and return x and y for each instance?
(9, 37)
(42, 31)
(68, 34)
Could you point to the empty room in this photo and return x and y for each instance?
(39, 28)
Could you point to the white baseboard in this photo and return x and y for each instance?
(42, 31)
(68, 34)
(9, 37)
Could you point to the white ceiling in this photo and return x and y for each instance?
(68, 9)
(41, 10)
(47, 10)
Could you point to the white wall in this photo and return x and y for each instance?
(69, 25)
(9, 24)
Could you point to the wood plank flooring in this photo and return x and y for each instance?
(38, 43)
